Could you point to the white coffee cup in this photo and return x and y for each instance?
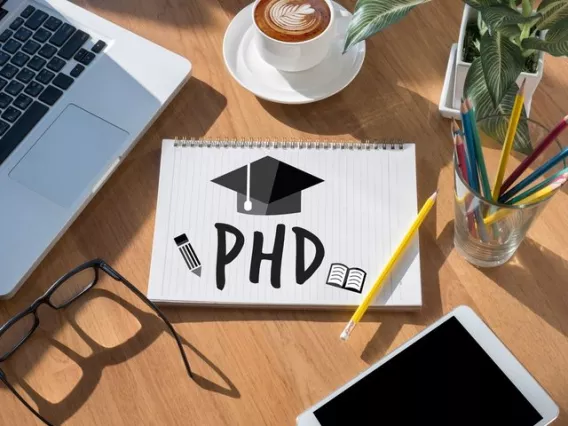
(295, 56)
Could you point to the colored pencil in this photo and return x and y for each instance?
(538, 196)
(539, 149)
(509, 139)
(471, 158)
(389, 266)
(460, 150)
(538, 187)
(561, 156)
(462, 165)
(478, 150)
(544, 192)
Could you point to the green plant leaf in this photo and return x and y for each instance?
(497, 17)
(372, 16)
(476, 89)
(502, 62)
(552, 11)
(478, 4)
(510, 31)
(555, 42)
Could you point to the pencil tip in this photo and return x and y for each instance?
(522, 88)
(566, 119)
(434, 195)
(455, 127)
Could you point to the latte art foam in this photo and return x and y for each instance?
(292, 20)
(293, 17)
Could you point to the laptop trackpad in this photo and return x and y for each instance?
(69, 156)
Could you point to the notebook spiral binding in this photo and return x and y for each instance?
(283, 143)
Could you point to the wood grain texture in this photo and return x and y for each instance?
(109, 361)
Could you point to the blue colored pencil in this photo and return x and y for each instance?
(536, 174)
(470, 144)
(538, 187)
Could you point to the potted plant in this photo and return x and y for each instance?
(506, 38)
(472, 29)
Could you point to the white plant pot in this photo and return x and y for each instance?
(461, 67)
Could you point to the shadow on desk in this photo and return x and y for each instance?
(92, 366)
(531, 276)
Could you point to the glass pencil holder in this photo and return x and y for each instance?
(487, 233)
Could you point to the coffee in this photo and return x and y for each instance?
(292, 20)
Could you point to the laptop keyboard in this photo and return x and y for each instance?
(34, 49)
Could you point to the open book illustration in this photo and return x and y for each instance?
(352, 279)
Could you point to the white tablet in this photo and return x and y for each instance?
(456, 372)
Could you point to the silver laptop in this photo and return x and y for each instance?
(76, 93)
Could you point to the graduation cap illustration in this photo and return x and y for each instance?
(268, 187)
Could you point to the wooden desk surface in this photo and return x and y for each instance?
(108, 361)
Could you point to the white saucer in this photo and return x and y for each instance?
(332, 75)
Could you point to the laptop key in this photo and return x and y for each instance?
(56, 64)
(50, 95)
(8, 71)
(87, 58)
(31, 47)
(27, 12)
(45, 76)
(63, 81)
(20, 59)
(6, 34)
(5, 100)
(16, 23)
(12, 46)
(23, 101)
(37, 18)
(4, 58)
(25, 75)
(21, 128)
(3, 12)
(23, 34)
(14, 88)
(3, 127)
(98, 47)
(52, 23)
(37, 63)
(11, 114)
(62, 34)
(76, 72)
(33, 89)
(42, 35)
(78, 39)
(47, 51)
(2, 83)
(80, 54)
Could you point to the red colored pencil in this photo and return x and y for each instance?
(462, 164)
(534, 155)
(460, 150)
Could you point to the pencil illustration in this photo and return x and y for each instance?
(188, 254)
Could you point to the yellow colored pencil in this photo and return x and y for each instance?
(508, 144)
(531, 199)
(390, 265)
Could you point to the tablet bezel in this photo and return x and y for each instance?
(498, 352)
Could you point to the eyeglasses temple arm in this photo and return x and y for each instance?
(150, 304)
(21, 399)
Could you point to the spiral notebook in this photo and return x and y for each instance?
(288, 224)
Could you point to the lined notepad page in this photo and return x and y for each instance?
(360, 213)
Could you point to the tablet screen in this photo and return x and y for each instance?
(445, 378)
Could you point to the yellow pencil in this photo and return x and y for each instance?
(388, 268)
(531, 199)
(508, 143)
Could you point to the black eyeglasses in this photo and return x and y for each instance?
(61, 294)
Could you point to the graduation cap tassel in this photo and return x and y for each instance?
(248, 203)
